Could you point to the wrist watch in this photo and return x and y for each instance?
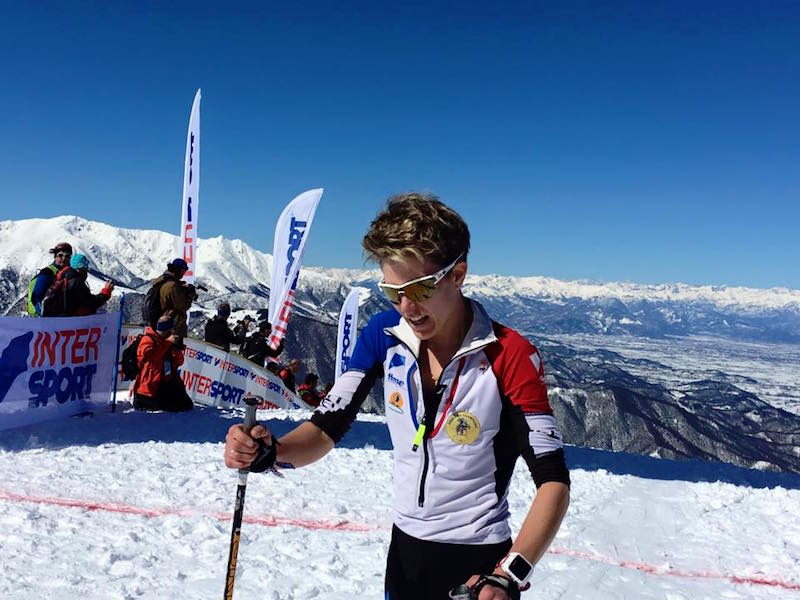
(518, 568)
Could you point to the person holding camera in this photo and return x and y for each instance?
(158, 385)
(176, 295)
(78, 298)
(257, 348)
(218, 332)
(242, 328)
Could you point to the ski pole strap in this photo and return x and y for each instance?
(462, 592)
(265, 459)
(267, 453)
(465, 592)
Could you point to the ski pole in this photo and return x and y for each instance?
(238, 511)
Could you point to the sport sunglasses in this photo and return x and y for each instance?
(417, 290)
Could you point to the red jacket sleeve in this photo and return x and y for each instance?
(519, 370)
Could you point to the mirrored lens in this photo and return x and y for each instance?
(392, 295)
(418, 291)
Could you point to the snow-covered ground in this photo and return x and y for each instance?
(131, 505)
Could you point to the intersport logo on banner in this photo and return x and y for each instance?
(348, 330)
(291, 234)
(46, 363)
(217, 378)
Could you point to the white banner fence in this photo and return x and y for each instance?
(62, 366)
(218, 378)
(55, 367)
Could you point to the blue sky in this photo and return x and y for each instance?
(648, 142)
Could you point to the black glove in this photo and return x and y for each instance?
(464, 592)
(265, 459)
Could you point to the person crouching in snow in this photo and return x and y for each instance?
(158, 385)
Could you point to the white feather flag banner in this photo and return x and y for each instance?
(187, 241)
(291, 233)
(348, 330)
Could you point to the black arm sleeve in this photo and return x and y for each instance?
(551, 466)
(339, 408)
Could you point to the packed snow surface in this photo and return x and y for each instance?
(131, 505)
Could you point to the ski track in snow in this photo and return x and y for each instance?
(133, 505)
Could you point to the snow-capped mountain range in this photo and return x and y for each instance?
(674, 403)
(234, 271)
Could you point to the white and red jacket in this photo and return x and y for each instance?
(490, 407)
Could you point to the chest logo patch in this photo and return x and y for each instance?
(396, 402)
(463, 427)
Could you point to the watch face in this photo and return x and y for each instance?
(519, 568)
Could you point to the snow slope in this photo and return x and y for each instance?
(131, 505)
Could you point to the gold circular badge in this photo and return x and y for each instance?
(396, 401)
(463, 427)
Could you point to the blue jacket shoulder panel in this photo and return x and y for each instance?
(372, 342)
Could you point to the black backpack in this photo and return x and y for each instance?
(245, 347)
(151, 309)
(54, 304)
(129, 363)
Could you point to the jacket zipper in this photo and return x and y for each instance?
(424, 433)
(421, 498)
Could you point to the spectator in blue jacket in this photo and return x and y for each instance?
(62, 252)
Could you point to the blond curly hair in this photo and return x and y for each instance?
(420, 225)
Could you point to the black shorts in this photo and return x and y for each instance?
(422, 570)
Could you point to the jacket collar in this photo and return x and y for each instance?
(479, 335)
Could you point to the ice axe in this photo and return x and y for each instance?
(249, 421)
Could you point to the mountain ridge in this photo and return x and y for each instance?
(132, 257)
(594, 393)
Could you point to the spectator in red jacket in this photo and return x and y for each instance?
(288, 374)
(158, 385)
(308, 391)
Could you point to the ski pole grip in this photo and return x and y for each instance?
(250, 412)
(252, 402)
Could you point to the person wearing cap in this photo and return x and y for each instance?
(158, 386)
(242, 327)
(175, 294)
(257, 348)
(218, 332)
(42, 281)
(80, 300)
